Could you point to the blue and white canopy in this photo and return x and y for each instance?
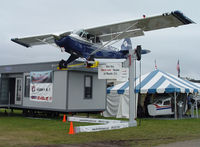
(157, 82)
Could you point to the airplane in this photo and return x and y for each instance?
(97, 42)
(160, 107)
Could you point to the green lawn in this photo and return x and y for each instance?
(20, 131)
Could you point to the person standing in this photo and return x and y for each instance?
(189, 103)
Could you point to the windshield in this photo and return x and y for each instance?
(79, 32)
(158, 102)
(161, 99)
(87, 36)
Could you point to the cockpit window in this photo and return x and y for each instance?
(167, 102)
(159, 102)
(87, 36)
(79, 32)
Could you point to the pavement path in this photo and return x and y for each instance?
(188, 143)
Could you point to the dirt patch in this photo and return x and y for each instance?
(112, 143)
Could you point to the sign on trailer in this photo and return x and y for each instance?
(124, 74)
(113, 71)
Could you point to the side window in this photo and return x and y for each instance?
(27, 86)
(166, 103)
(88, 87)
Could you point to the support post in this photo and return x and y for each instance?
(132, 98)
(175, 106)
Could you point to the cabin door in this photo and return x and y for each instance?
(18, 91)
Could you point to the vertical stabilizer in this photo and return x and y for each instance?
(126, 45)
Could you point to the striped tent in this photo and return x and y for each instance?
(157, 81)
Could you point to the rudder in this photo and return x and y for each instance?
(126, 45)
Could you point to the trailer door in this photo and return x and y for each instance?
(4, 91)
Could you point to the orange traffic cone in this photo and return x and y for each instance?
(71, 129)
(64, 118)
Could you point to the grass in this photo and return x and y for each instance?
(25, 132)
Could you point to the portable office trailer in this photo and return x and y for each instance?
(73, 90)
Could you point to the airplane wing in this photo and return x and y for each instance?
(166, 20)
(38, 40)
(117, 31)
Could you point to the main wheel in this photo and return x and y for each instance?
(62, 64)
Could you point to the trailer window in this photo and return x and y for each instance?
(0, 86)
(27, 86)
(0, 81)
(88, 87)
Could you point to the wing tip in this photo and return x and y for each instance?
(180, 16)
(16, 40)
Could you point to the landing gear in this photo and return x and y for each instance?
(92, 64)
(62, 64)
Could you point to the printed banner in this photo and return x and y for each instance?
(107, 124)
(41, 92)
(41, 86)
(96, 128)
(93, 120)
(41, 77)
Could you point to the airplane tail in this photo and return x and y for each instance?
(126, 45)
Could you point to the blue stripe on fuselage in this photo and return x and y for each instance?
(163, 108)
(84, 49)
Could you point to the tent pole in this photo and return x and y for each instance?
(175, 108)
(197, 113)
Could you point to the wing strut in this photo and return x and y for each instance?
(112, 39)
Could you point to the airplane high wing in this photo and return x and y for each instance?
(166, 20)
(116, 31)
(37, 40)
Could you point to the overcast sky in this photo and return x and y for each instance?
(22, 18)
